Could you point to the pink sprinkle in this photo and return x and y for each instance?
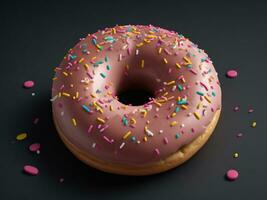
(232, 174)
(236, 108)
(28, 84)
(250, 110)
(206, 88)
(239, 135)
(90, 128)
(231, 74)
(30, 170)
(36, 120)
(166, 141)
(157, 151)
(34, 147)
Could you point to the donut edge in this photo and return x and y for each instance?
(174, 160)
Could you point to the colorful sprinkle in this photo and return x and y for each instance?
(21, 136)
(232, 174)
(28, 84)
(29, 169)
(231, 73)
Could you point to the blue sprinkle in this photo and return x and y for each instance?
(133, 139)
(125, 121)
(72, 57)
(177, 109)
(94, 41)
(85, 108)
(182, 102)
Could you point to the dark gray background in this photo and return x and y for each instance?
(34, 38)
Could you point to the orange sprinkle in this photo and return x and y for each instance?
(145, 139)
(110, 108)
(93, 95)
(170, 83)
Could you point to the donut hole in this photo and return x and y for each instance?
(135, 93)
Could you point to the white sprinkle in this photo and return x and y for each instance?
(93, 145)
(54, 98)
(136, 52)
(149, 133)
(122, 145)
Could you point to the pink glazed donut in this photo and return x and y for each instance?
(144, 139)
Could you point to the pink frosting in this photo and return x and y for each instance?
(185, 83)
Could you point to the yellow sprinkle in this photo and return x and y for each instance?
(81, 60)
(171, 83)
(173, 114)
(146, 40)
(174, 123)
(157, 103)
(142, 63)
(145, 139)
(74, 122)
(253, 125)
(160, 49)
(165, 94)
(152, 36)
(140, 44)
(178, 66)
(165, 60)
(208, 99)
(199, 105)
(65, 73)
(235, 155)
(133, 121)
(197, 115)
(77, 95)
(21, 136)
(170, 98)
(65, 94)
(101, 120)
(183, 80)
(187, 60)
(184, 107)
(144, 112)
(127, 135)
(55, 78)
(114, 30)
(127, 67)
(110, 108)
(59, 94)
(86, 66)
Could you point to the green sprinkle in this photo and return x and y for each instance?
(180, 87)
(177, 135)
(106, 59)
(85, 108)
(103, 75)
(125, 121)
(200, 93)
(213, 94)
(108, 67)
(189, 66)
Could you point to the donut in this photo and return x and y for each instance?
(122, 138)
